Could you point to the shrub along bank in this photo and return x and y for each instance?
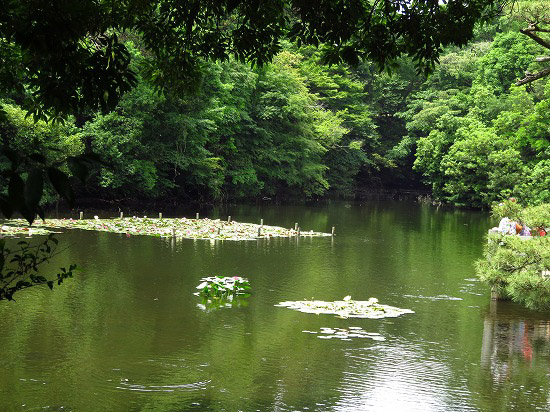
(518, 268)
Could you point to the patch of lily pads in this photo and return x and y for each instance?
(347, 308)
(218, 292)
(22, 231)
(223, 286)
(169, 227)
(348, 334)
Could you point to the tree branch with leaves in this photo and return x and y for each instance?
(19, 268)
(537, 17)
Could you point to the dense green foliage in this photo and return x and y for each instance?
(297, 128)
(71, 56)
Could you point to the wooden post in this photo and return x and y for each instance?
(122, 215)
(219, 230)
(261, 222)
(332, 230)
(229, 219)
(298, 230)
(160, 215)
(295, 226)
(197, 216)
(173, 232)
(260, 231)
(81, 215)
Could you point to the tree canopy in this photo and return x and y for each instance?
(68, 56)
(192, 122)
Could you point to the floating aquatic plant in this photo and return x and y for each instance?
(22, 230)
(223, 286)
(346, 308)
(168, 227)
(223, 292)
(346, 334)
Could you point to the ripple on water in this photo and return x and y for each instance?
(161, 375)
(432, 298)
(186, 387)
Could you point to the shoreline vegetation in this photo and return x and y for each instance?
(518, 267)
(203, 228)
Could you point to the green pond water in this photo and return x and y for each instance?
(128, 334)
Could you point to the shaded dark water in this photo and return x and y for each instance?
(127, 333)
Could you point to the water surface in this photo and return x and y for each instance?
(128, 334)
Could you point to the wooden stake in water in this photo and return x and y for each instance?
(228, 219)
(298, 230)
(219, 231)
(197, 217)
(160, 215)
(122, 215)
(81, 215)
(332, 230)
(295, 226)
(173, 232)
(260, 231)
(261, 222)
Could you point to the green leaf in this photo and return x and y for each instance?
(34, 189)
(40, 212)
(13, 157)
(16, 189)
(61, 184)
(5, 207)
(78, 168)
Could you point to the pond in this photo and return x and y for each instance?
(128, 334)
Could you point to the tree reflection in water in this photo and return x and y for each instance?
(514, 338)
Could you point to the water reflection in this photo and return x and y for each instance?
(515, 358)
(510, 335)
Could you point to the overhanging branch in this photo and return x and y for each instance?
(530, 32)
(531, 77)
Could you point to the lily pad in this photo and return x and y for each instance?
(346, 334)
(173, 227)
(346, 308)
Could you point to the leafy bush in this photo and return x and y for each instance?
(26, 261)
(536, 216)
(513, 265)
(507, 208)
